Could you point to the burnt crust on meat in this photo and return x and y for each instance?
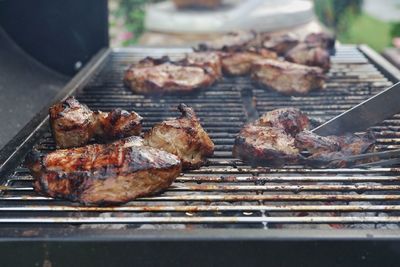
(240, 63)
(183, 137)
(310, 55)
(286, 77)
(103, 173)
(281, 137)
(73, 124)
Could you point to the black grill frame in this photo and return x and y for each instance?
(22, 143)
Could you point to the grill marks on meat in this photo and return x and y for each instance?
(159, 76)
(321, 39)
(183, 137)
(74, 124)
(240, 63)
(288, 78)
(280, 136)
(104, 173)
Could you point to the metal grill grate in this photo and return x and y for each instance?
(227, 192)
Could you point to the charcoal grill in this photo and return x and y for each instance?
(226, 200)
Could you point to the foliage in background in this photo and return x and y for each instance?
(351, 25)
(132, 13)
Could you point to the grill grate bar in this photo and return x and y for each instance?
(228, 192)
(195, 220)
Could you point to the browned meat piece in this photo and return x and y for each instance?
(74, 124)
(117, 124)
(104, 174)
(322, 39)
(240, 63)
(310, 55)
(280, 136)
(209, 61)
(265, 146)
(288, 78)
(314, 143)
(183, 137)
(291, 120)
(350, 145)
(281, 44)
(166, 78)
(210, 4)
(230, 42)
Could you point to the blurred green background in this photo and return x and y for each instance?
(345, 17)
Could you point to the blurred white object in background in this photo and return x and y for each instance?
(260, 15)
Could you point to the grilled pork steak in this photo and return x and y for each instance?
(104, 173)
(321, 39)
(280, 136)
(230, 42)
(240, 63)
(281, 44)
(183, 137)
(209, 61)
(310, 55)
(166, 78)
(287, 78)
(74, 124)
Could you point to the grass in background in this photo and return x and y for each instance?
(365, 29)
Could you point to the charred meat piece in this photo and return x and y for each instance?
(104, 173)
(310, 55)
(166, 78)
(288, 78)
(291, 120)
(209, 61)
(265, 146)
(74, 124)
(230, 42)
(117, 124)
(240, 63)
(350, 145)
(280, 137)
(321, 39)
(280, 44)
(183, 137)
(314, 143)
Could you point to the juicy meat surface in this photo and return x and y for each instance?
(280, 137)
(310, 55)
(281, 44)
(321, 39)
(230, 42)
(240, 63)
(286, 77)
(209, 61)
(166, 78)
(74, 124)
(104, 173)
(265, 145)
(183, 137)
(291, 120)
